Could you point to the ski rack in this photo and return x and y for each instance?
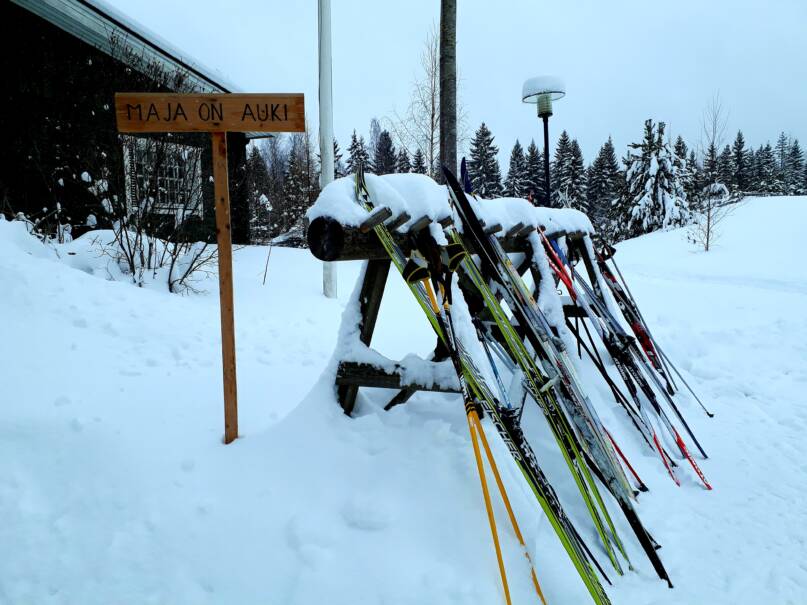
(330, 240)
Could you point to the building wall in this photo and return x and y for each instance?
(58, 120)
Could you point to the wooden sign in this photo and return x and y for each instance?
(167, 112)
(218, 114)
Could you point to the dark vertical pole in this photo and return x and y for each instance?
(448, 86)
(548, 189)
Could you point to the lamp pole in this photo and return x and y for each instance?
(547, 188)
(542, 91)
(326, 126)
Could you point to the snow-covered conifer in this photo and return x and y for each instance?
(604, 184)
(419, 163)
(740, 158)
(357, 154)
(402, 162)
(654, 197)
(516, 185)
(385, 158)
(484, 169)
(534, 166)
(725, 167)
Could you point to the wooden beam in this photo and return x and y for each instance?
(225, 256)
(329, 240)
(372, 290)
(365, 375)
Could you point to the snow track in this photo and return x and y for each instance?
(115, 487)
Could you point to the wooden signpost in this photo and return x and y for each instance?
(217, 114)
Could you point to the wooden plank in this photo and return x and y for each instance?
(398, 221)
(225, 255)
(372, 290)
(362, 374)
(513, 230)
(420, 224)
(247, 112)
(378, 216)
(494, 228)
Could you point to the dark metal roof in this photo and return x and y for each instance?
(94, 21)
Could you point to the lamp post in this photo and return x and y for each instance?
(542, 90)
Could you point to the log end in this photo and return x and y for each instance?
(326, 238)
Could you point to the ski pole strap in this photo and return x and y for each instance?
(455, 252)
(415, 270)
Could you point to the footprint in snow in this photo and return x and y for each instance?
(365, 514)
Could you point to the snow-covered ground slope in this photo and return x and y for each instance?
(115, 487)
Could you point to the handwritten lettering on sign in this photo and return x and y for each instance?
(158, 112)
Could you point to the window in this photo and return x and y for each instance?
(163, 177)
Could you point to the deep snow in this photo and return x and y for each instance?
(115, 486)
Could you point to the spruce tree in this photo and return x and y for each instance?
(604, 184)
(767, 170)
(741, 164)
(338, 166)
(680, 148)
(560, 168)
(483, 168)
(385, 158)
(357, 155)
(725, 168)
(710, 166)
(694, 181)
(654, 197)
(795, 169)
(804, 180)
(781, 151)
(402, 163)
(258, 191)
(516, 184)
(534, 166)
(296, 187)
(574, 187)
(419, 163)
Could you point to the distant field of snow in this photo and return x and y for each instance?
(115, 486)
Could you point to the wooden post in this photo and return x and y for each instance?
(139, 112)
(224, 237)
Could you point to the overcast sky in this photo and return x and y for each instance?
(623, 61)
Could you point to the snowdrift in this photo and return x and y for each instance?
(115, 487)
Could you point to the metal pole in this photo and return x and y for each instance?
(548, 189)
(326, 125)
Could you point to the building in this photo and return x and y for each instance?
(63, 61)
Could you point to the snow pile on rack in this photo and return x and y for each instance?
(418, 195)
(115, 487)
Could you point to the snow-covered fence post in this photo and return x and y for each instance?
(216, 114)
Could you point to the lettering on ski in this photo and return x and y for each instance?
(169, 112)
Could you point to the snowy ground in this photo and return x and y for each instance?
(115, 487)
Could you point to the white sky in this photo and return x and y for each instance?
(623, 60)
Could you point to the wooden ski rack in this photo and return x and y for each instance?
(331, 240)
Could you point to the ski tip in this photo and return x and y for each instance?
(669, 584)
